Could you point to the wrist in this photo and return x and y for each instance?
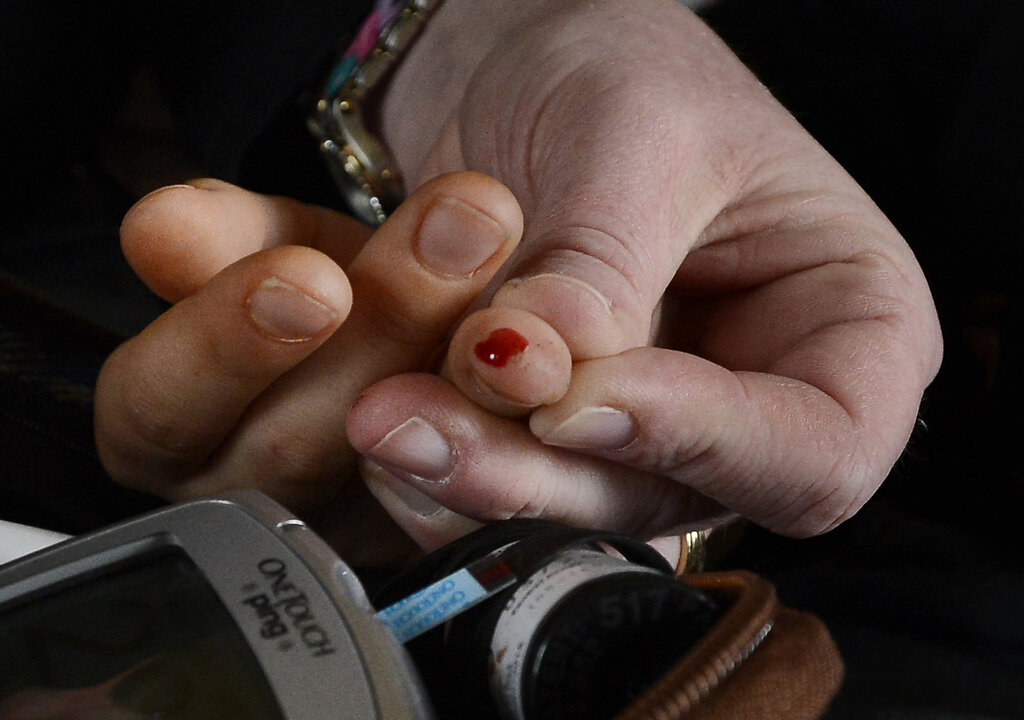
(420, 98)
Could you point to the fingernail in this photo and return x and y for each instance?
(400, 491)
(589, 299)
(415, 451)
(455, 239)
(285, 313)
(163, 189)
(585, 317)
(589, 428)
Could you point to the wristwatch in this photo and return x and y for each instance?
(362, 168)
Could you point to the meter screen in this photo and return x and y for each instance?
(143, 640)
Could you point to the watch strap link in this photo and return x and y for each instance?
(362, 167)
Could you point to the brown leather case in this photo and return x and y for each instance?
(762, 661)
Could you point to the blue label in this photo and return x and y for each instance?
(433, 605)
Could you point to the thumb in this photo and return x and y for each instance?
(614, 196)
(591, 286)
(601, 244)
(579, 293)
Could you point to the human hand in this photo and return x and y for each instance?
(95, 702)
(747, 327)
(77, 704)
(283, 313)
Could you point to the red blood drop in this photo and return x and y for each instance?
(500, 347)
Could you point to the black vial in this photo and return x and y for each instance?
(593, 620)
(588, 633)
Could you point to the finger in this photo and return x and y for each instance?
(425, 433)
(508, 361)
(431, 525)
(427, 522)
(411, 282)
(810, 382)
(167, 398)
(178, 237)
(778, 450)
(616, 197)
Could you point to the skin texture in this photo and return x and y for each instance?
(206, 398)
(748, 333)
(744, 320)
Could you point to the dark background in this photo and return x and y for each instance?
(922, 101)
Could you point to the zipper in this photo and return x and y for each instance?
(737, 635)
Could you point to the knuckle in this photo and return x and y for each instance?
(143, 439)
(823, 503)
(156, 427)
(533, 500)
(606, 245)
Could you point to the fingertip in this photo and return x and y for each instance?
(509, 361)
(288, 313)
(456, 239)
(389, 403)
(178, 237)
(166, 236)
(461, 225)
(168, 397)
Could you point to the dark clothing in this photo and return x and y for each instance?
(922, 101)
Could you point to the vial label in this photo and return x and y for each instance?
(527, 608)
(433, 605)
(440, 601)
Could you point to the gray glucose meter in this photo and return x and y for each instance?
(228, 607)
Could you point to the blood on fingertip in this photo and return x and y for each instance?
(500, 346)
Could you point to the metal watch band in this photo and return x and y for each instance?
(362, 167)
